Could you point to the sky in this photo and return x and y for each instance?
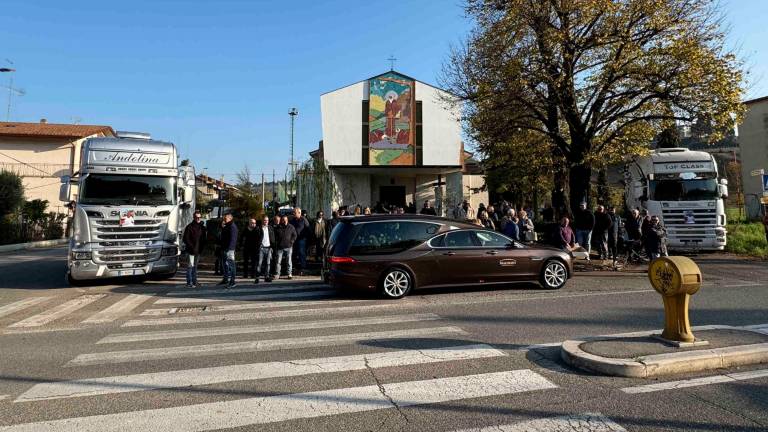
(219, 77)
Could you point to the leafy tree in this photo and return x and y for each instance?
(596, 78)
(11, 193)
(246, 201)
(34, 211)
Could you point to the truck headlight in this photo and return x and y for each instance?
(170, 251)
(720, 232)
(81, 255)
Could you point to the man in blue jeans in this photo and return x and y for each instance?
(285, 236)
(583, 224)
(228, 245)
(194, 241)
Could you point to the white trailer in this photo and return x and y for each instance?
(683, 188)
(130, 200)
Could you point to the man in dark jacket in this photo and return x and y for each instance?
(228, 245)
(428, 209)
(655, 238)
(633, 225)
(583, 224)
(566, 240)
(265, 239)
(250, 248)
(602, 225)
(613, 233)
(285, 236)
(303, 233)
(194, 242)
(320, 235)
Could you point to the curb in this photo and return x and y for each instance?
(665, 364)
(33, 245)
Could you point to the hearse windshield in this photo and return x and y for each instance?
(118, 189)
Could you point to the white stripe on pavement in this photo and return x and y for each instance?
(117, 310)
(254, 346)
(696, 382)
(194, 319)
(4, 397)
(247, 297)
(263, 410)
(21, 305)
(272, 287)
(591, 422)
(59, 311)
(258, 305)
(265, 328)
(253, 371)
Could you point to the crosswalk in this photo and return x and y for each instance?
(342, 352)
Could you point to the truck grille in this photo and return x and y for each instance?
(126, 255)
(704, 221)
(143, 230)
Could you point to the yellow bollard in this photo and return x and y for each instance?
(676, 278)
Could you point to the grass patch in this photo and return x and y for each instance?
(747, 239)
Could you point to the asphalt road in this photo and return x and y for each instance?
(297, 356)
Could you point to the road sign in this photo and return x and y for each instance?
(765, 182)
(757, 172)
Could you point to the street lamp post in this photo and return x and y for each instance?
(293, 113)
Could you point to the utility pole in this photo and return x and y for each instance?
(293, 113)
(263, 190)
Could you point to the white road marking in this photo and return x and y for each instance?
(259, 305)
(253, 371)
(255, 346)
(265, 328)
(696, 382)
(589, 422)
(21, 305)
(4, 397)
(59, 311)
(263, 410)
(117, 310)
(247, 297)
(255, 289)
(193, 319)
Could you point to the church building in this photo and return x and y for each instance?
(391, 140)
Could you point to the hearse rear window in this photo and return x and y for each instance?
(386, 237)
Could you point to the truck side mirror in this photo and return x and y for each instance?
(187, 195)
(64, 189)
(723, 189)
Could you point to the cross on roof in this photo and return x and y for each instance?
(391, 61)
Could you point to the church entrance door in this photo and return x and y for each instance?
(392, 195)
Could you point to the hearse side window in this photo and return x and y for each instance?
(387, 237)
(491, 239)
(438, 241)
(341, 237)
(459, 239)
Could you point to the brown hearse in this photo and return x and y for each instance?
(395, 254)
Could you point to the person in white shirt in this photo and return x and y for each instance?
(265, 237)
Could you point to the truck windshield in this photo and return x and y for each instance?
(683, 190)
(117, 189)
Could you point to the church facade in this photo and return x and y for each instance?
(390, 141)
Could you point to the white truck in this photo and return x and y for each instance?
(130, 200)
(683, 188)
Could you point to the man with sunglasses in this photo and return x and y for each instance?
(194, 241)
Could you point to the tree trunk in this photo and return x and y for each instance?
(558, 192)
(603, 193)
(579, 179)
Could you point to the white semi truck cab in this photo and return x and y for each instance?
(130, 200)
(683, 188)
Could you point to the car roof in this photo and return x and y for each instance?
(406, 217)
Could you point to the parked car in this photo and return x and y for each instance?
(395, 254)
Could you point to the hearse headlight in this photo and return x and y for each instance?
(94, 214)
(81, 255)
(163, 213)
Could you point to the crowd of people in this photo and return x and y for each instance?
(603, 228)
(272, 247)
(269, 247)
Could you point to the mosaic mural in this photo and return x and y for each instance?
(390, 119)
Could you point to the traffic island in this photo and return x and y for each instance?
(644, 355)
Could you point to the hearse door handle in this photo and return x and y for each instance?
(450, 253)
(492, 252)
